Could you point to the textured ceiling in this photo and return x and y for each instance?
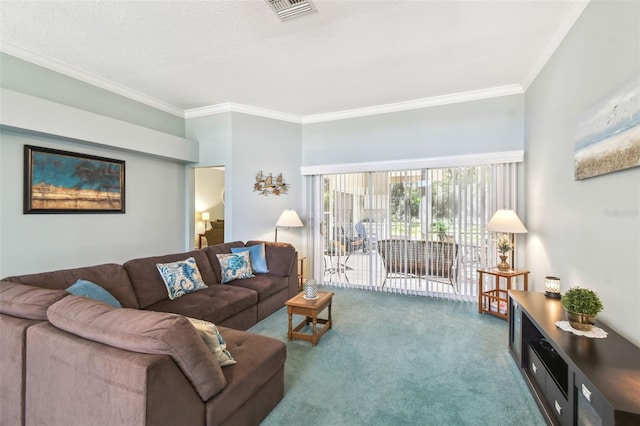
(346, 55)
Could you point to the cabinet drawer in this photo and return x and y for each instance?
(536, 368)
(558, 402)
(591, 407)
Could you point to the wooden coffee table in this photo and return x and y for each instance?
(310, 309)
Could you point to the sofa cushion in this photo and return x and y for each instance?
(211, 252)
(235, 266)
(145, 332)
(181, 277)
(147, 282)
(25, 301)
(264, 285)
(110, 276)
(211, 337)
(258, 257)
(93, 291)
(280, 257)
(215, 303)
(259, 359)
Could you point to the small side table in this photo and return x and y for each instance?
(310, 309)
(300, 272)
(494, 301)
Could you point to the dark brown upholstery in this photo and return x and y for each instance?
(21, 306)
(110, 276)
(211, 252)
(217, 303)
(142, 331)
(147, 282)
(215, 235)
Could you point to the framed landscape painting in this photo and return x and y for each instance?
(608, 136)
(65, 182)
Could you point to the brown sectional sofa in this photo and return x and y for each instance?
(74, 361)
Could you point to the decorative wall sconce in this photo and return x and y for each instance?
(266, 185)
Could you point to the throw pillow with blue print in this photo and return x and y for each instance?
(235, 266)
(181, 277)
(214, 341)
(257, 255)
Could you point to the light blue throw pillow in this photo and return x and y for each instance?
(257, 256)
(181, 277)
(93, 291)
(235, 266)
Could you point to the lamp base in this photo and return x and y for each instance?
(552, 295)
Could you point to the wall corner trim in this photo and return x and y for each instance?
(28, 113)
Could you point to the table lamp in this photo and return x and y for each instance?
(205, 218)
(506, 222)
(288, 219)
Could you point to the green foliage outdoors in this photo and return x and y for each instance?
(582, 301)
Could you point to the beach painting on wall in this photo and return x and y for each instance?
(66, 182)
(608, 136)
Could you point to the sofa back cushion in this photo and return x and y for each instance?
(224, 248)
(142, 331)
(147, 282)
(281, 257)
(112, 277)
(25, 301)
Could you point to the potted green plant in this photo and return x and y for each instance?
(582, 306)
(504, 246)
(441, 227)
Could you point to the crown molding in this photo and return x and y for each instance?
(94, 80)
(416, 163)
(454, 98)
(241, 108)
(567, 22)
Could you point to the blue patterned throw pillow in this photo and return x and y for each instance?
(181, 277)
(235, 266)
(257, 255)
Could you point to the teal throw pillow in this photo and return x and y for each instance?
(214, 341)
(181, 278)
(235, 266)
(257, 256)
(93, 291)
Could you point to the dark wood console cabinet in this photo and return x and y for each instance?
(575, 380)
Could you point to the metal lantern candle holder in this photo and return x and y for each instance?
(310, 289)
(552, 287)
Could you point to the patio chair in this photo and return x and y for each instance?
(370, 239)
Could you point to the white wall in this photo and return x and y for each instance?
(245, 145)
(585, 232)
(489, 125)
(152, 224)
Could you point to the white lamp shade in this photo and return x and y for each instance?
(506, 221)
(205, 216)
(289, 219)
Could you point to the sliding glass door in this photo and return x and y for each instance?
(415, 231)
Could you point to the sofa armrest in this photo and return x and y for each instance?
(74, 381)
(282, 258)
(142, 331)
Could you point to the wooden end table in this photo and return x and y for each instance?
(310, 309)
(494, 301)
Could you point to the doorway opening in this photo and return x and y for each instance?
(209, 206)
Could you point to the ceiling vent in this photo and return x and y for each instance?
(287, 9)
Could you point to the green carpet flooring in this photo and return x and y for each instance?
(401, 360)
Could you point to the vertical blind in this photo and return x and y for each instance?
(419, 231)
